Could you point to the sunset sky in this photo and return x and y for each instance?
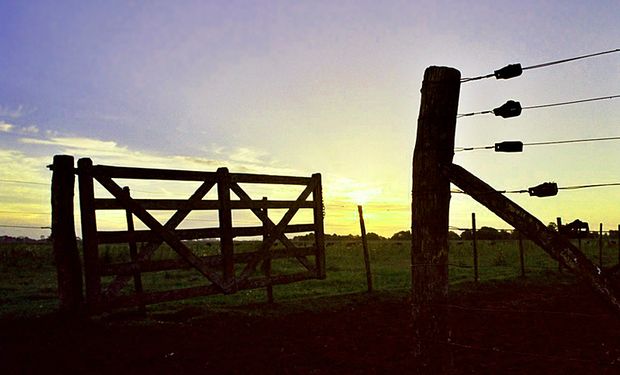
(302, 87)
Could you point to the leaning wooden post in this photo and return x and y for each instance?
(226, 230)
(66, 254)
(474, 242)
(434, 150)
(365, 249)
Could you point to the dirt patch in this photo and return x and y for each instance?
(507, 328)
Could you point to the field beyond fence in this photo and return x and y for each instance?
(28, 275)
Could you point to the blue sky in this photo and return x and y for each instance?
(298, 87)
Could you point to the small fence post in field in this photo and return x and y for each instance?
(559, 221)
(434, 151)
(600, 245)
(267, 261)
(475, 246)
(133, 254)
(66, 255)
(521, 255)
(365, 249)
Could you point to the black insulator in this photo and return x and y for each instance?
(509, 146)
(509, 71)
(547, 189)
(508, 109)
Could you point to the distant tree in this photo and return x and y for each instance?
(374, 237)
(403, 235)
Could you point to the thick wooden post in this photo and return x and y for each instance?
(66, 254)
(90, 243)
(434, 149)
(618, 243)
(226, 230)
(365, 249)
(474, 242)
(554, 244)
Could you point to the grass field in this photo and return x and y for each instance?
(28, 275)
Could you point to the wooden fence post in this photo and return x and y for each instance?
(365, 249)
(226, 232)
(521, 255)
(600, 245)
(559, 221)
(90, 243)
(267, 261)
(319, 234)
(474, 242)
(434, 150)
(66, 254)
(618, 243)
(133, 254)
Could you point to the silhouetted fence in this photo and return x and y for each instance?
(226, 272)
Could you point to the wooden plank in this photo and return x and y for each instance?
(89, 235)
(166, 234)
(365, 249)
(211, 260)
(226, 227)
(434, 147)
(115, 237)
(176, 204)
(149, 248)
(152, 174)
(200, 291)
(319, 234)
(269, 179)
(66, 254)
(549, 240)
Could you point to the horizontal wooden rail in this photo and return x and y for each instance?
(176, 204)
(185, 175)
(115, 237)
(199, 291)
(211, 260)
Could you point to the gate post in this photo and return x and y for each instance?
(434, 149)
(64, 241)
(226, 229)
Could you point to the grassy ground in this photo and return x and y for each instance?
(28, 275)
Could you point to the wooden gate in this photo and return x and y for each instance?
(227, 271)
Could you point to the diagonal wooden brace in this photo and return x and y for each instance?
(166, 234)
(553, 243)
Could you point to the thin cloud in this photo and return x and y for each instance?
(12, 113)
(6, 127)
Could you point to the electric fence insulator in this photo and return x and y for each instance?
(508, 109)
(509, 146)
(547, 189)
(509, 71)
